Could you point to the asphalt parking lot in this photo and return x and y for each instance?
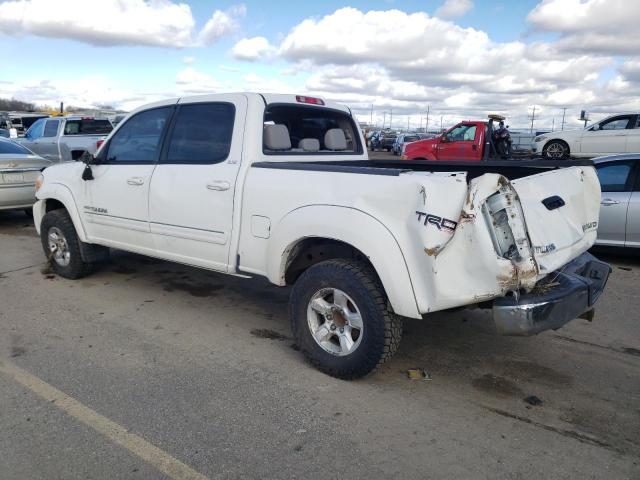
(148, 369)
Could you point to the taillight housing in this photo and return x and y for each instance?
(99, 143)
(309, 100)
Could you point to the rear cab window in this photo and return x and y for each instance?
(309, 130)
(88, 126)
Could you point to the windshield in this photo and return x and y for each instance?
(10, 147)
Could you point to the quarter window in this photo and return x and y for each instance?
(138, 140)
(201, 134)
(614, 176)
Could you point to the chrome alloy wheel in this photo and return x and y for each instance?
(556, 150)
(58, 247)
(335, 321)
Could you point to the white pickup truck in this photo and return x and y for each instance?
(280, 186)
(63, 139)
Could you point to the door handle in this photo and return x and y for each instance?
(135, 181)
(609, 201)
(219, 185)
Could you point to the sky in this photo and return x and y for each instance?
(458, 59)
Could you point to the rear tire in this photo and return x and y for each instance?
(62, 246)
(341, 319)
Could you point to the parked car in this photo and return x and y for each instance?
(619, 224)
(61, 139)
(280, 186)
(19, 169)
(4, 133)
(616, 134)
(402, 139)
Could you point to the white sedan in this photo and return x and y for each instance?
(616, 134)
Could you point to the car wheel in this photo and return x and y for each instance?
(62, 245)
(555, 150)
(341, 319)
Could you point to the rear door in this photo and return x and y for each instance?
(460, 143)
(616, 183)
(191, 199)
(48, 143)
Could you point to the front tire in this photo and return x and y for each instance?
(555, 150)
(341, 319)
(62, 246)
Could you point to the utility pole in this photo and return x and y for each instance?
(564, 110)
(441, 130)
(553, 123)
(533, 117)
(391, 119)
(384, 119)
(371, 117)
(426, 127)
(408, 119)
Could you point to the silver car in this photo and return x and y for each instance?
(19, 169)
(620, 205)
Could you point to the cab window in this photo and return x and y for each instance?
(462, 133)
(201, 134)
(138, 140)
(51, 128)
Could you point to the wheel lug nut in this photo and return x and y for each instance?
(332, 327)
(341, 329)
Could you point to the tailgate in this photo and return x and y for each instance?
(561, 209)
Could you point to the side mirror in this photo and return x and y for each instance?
(444, 139)
(87, 158)
(596, 127)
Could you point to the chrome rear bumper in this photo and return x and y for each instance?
(570, 293)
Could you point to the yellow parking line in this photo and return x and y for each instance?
(151, 454)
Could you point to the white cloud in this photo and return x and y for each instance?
(191, 81)
(453, 8)
(597, 26)
(252, 49)
(160, 23)
(188, 60)
(221, 24)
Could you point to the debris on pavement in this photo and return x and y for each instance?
(418, 374)
(267, 333)
(532, 400)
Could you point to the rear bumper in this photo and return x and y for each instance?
(572, 293)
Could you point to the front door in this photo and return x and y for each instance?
(615, 180)
(191, 199)
(459, 143)
(116, 211)
(610, 136)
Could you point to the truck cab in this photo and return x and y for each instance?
(462, 142)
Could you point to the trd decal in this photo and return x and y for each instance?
(440, 223)
(589, 226)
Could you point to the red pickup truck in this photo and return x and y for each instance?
(463, 142)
